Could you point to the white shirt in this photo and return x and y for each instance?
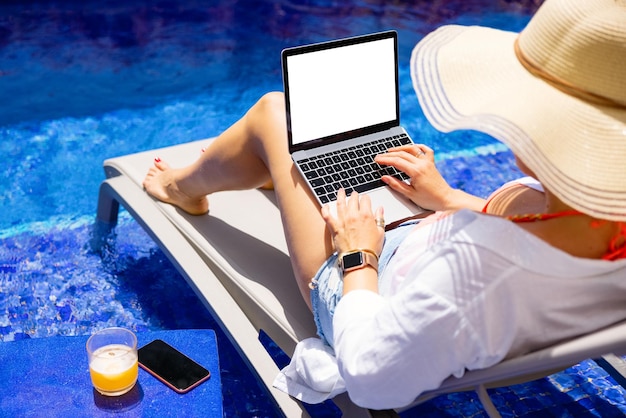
(461, 293)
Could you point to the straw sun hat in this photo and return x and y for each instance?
(555, 94)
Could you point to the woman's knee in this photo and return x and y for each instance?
(272, 103)
(267, 118)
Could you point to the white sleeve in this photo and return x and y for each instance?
(531, 183)
(389, 351)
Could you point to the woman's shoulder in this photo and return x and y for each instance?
(524, 195)
(526, 181)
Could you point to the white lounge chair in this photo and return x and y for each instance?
(236, 261)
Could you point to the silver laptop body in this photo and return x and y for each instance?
(343, 107)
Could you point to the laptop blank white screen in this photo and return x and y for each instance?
(341, 89)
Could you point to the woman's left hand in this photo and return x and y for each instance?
(355, 226)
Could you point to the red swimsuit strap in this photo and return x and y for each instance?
(534, 217)
(617, 245)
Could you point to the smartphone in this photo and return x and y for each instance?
(171, 367)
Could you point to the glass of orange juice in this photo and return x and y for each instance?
(112, 354)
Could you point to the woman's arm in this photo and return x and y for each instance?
(388, 355)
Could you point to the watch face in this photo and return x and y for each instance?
(352, 260)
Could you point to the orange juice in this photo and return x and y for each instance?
(113, 369)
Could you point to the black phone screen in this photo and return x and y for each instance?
(171, 366)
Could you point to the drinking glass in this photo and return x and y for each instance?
(112, 354)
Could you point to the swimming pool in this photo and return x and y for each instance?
(83, 82)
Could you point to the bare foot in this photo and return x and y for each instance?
(160, 183)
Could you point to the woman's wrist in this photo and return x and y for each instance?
(359, 268)
(356, 259)
(362, 279)
(458, 199)
(355, 250)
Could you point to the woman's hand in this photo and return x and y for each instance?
(355, 226)
(427, 189)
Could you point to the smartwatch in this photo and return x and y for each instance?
(357, 259)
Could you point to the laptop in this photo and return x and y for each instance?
(343, 108)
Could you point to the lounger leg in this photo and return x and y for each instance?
(615, 366)
(108, 207)
(106, 216)
(387, 413)
(486, 401)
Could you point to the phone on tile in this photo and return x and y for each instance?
(171, 367)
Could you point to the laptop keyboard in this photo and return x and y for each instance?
(352, 168)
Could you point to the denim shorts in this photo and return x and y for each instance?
(327, 285)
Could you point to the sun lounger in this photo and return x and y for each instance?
(236, 261)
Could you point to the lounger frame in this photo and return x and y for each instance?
(236, 261)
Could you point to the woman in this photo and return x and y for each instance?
(461, 289)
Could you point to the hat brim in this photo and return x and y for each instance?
(470, 78)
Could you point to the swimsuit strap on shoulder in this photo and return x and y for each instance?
(617, 246)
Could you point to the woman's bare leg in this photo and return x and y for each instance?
(248, 155)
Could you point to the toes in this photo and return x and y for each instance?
(160, 164)
(152, 171)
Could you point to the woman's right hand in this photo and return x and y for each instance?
(427, 188)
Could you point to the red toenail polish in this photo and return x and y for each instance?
(203, 149)
(157, 160)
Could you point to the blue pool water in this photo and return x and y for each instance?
(84, 81)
